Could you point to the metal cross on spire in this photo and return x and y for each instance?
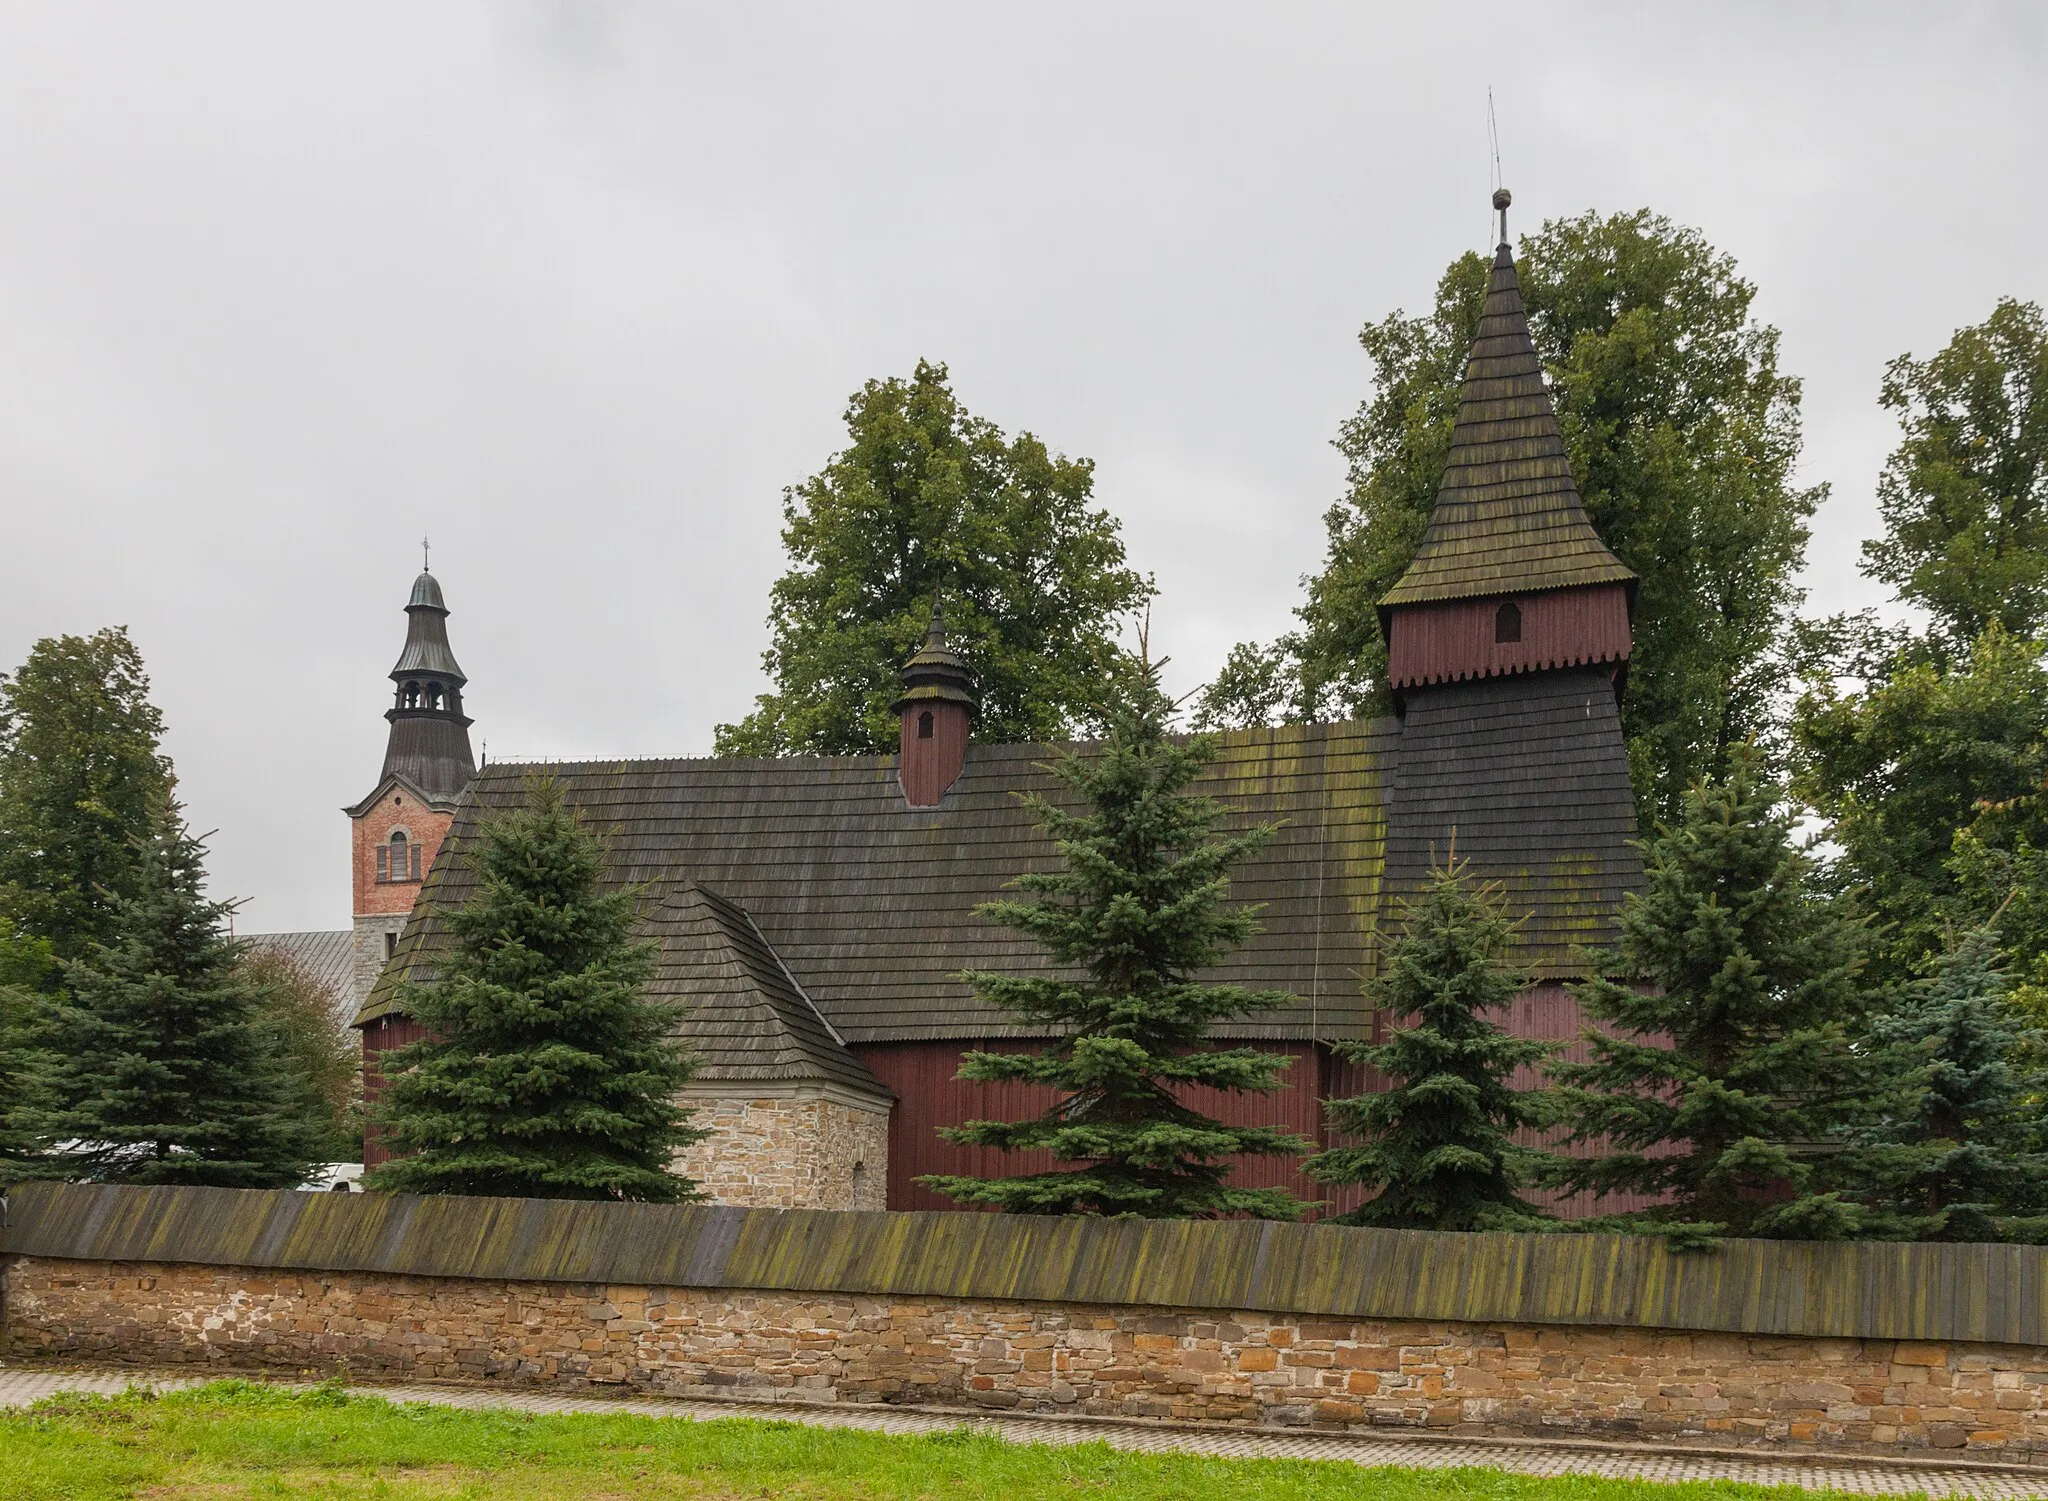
(426, 553)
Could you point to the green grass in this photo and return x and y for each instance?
(233, 1440)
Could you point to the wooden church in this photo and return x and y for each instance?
(813, 913)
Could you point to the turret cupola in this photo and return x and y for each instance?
(429, 743)
(934, 712)
(1510, 576)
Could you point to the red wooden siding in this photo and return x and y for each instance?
(380, 1037)
(1446, 643)
(929, 1096)
(929, 765)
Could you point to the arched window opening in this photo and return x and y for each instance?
(401, 856)
(1507, 624)
(437, 698)
(411, 699)
(924, 725)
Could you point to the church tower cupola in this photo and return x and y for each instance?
(396, 831)
(1510, 576)
(429, 742)
(934, 712)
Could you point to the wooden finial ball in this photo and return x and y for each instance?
(1502, 198)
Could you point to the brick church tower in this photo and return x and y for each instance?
(398, 828)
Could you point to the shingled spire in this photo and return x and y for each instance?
(1511, 576)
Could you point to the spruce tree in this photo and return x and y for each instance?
(548, 1074)
(1438, 1142)
(1138, 911)
(1962, 1149)
(157, 1062)
(1725, 1069)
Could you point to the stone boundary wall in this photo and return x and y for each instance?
(1883, 1348)
(1195, 1365)
(1988, 1294)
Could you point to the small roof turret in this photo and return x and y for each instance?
(1508, 518)
(936, 673)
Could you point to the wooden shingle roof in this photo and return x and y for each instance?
(871, 904)
(815, 866)
(747, 1018)
(1508, 519)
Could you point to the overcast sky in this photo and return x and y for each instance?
(577, 289)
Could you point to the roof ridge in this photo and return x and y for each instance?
(1508, 518)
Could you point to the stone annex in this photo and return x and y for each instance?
(814, 913)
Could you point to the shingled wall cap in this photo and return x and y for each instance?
(1508, 518)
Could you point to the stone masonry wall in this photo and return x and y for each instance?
(788, 1152)
(1232, 1367)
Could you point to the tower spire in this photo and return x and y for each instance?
(1507, 518)
(1511, 576)
(429, 742)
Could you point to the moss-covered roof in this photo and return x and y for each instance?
(1508, 519)
(870, 904)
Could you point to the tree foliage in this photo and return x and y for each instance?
(80, 778)
(1438, 1143)
(1725, 1069)
(1139, 909)
(317, 1053)
(929, 502)
(1965, 495)
(1961, 1148)
(1899, 766)
(548, 1074)
(158, 1063)
(1682, 432)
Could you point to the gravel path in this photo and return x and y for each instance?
(20, 1386)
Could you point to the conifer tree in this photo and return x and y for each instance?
(1139, 910)
(157, 1063)
(17, 1076)
(1438, 1143)
(548, 1074)
(1727, 1069)
(1961, 1149)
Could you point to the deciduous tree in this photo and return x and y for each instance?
(1965, 495)
(1901, 765)
(80, 776)
(928, 503)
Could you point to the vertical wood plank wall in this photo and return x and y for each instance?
(929, 1095)
(379, 1037)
